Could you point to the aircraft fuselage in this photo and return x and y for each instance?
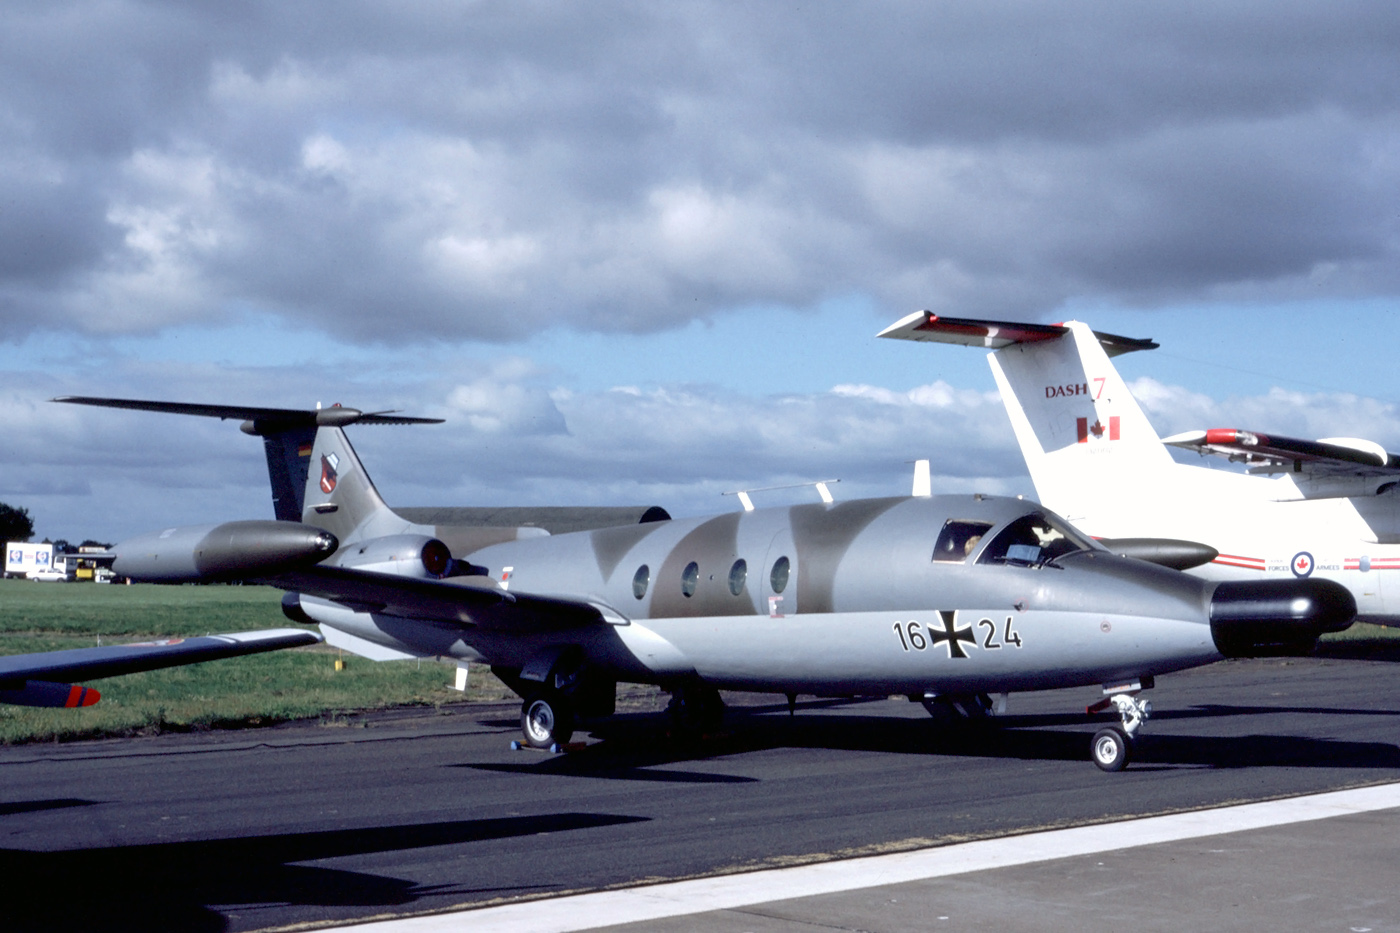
(839, 599)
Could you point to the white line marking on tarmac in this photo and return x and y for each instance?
(680, 898)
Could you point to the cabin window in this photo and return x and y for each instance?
(689, 578)
(782, 567)
(737, 575)
(1033, 540)
(640, 580)
(959, 539)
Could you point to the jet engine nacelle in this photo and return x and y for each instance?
(230, 551)
(1277, 618)
(404, 555)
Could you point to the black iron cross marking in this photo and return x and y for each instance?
(951, 635)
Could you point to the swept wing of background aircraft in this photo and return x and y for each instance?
(945, 599)
(1326, 509)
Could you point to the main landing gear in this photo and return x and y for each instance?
(546, 720)
(1112, 747)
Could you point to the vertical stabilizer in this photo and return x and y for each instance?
(340, 497)
(1086, 442)
(288, 460)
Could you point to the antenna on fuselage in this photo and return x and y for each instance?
(923, 480)
(747, 502)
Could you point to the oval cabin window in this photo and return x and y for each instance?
(782, 567)
(738, 574)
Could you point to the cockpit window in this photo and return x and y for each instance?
(958, 539)
(1033, 540)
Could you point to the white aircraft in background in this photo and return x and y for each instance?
(1323, 509)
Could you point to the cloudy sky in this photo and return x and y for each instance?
(638, 253)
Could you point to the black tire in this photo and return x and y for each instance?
(1111, 749)
(546, 720)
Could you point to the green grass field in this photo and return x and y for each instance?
(238, 692)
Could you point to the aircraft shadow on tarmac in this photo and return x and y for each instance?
(173, 886)
(34, 806)
(1360, 649)
(631, 746)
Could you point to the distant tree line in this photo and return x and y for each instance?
(15, 524)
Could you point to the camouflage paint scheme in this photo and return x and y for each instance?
(857, 569)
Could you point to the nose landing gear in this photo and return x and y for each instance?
(1112, 747)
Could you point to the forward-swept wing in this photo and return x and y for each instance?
(481, 605)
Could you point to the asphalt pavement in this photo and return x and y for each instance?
(423, 812)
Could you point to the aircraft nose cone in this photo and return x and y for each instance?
(1274, 618)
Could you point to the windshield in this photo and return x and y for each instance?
(1033, 540)
(958, 539)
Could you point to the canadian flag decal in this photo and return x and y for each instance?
(1097, 430)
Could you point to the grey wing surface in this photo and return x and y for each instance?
(31, 679)
(484, 605)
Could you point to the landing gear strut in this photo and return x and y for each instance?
(1112, 747)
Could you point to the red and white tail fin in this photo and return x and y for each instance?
(1086, 442)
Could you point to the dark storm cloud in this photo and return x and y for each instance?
(446, 171)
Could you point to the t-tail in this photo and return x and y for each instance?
(290, 442)
(1086, 441)
(317, 479)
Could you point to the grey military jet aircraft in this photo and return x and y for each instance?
(945, 599)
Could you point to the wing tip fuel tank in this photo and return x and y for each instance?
(1271, 618)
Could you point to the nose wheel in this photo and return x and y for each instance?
(1112, 747)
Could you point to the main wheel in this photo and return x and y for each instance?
(546, 720)
(1111, 749)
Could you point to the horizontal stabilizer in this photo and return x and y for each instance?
(258, 420)
(19, 673)
(1333, 455)
(970, 332)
